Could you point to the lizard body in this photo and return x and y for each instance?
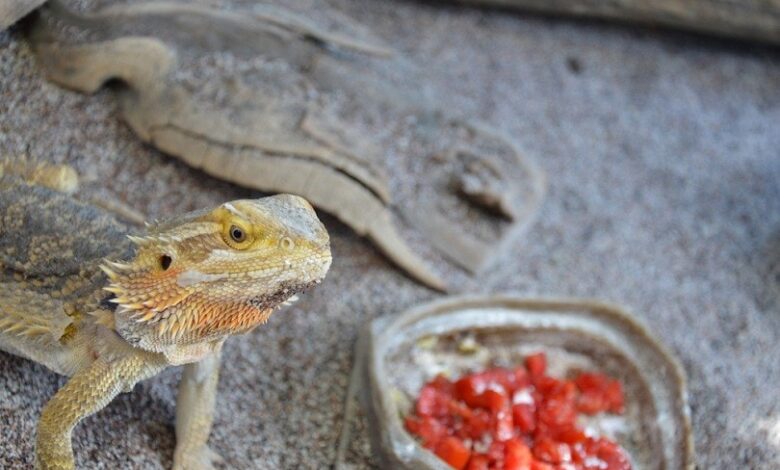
(85, 299)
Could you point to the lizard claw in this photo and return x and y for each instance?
(203, 459)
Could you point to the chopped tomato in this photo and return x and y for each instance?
(428, 429)
(591, 402)
(572, 435)
(517, 455)
(478, 424)
(536, 364)
(478, 462)
(547, 450)
(470, 388)
(524, 416)
(537, 465)
(504, 427)
(442, 383)
(518, 419)
(452, 451)
(495, 399)
(613, 393)
(432, 402)
(557, 409)
(599, 393)
(612, 455)
(496, 453)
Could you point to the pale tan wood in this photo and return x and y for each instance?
(745, 19)
(12, 11)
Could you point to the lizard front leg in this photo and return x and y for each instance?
(195, 413)
(87, 392)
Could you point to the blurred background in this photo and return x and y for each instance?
(656, 131)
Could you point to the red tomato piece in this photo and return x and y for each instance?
(495, 399)
(613, 455)
(557, 414)
(442, 383)
(591, 381)
(572, 435)
(470, 388)
(524, 417)
(504, 428)
(599, 393)
(517, 455)
(613, 394)
(501, 376)
(428, 429)
(478, 424)
(522, 379)
(496, 453)
(547, 450)
(453, 451)
(478, 462)
(578, 453)
(432, 402)
(545, 384)
(537, 465)
(591, 402)
(536, 364)
(459, 409)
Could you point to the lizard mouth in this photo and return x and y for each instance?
(285, 296)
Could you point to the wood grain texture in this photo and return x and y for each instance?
(746, 19)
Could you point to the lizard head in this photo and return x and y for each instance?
(210, 274)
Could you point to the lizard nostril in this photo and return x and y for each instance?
(287, 243)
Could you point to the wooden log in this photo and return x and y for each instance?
(744, 19)
(13, 10)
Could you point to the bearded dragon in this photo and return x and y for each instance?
(84, 298)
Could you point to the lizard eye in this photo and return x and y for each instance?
(237, 234)
(165, 262)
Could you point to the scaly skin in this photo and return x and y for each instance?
(83, 298)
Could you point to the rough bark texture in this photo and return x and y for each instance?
(281, 102)
(12, 10)
(746, 19)
(662, 157)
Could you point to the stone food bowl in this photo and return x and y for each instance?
(468, 333)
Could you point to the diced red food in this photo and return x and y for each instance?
(538, 465)
(495, 399)
(517, 455)
(599, 393)
(478, 462)
(496, 453)
(432, 402)
(518, 419)
(591, 403)
(610, 453)
(442, 383)
(429, 430)
(536, 364)
(572, 435)
(524, 416)
(614, 396)
(547, 450)
(478, 424)
(504, 428)
(453, 451)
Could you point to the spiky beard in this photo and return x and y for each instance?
(155, 312)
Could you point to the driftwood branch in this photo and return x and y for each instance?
(13, 10)
(745, 19)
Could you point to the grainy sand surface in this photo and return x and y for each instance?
(662, 152)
